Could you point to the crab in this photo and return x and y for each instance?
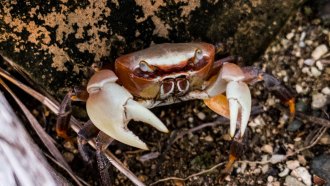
(166, 74)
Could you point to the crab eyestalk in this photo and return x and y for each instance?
(110, 107)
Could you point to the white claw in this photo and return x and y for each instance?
(110, 107)
(238, 92)
(137, 112)
(233, 108)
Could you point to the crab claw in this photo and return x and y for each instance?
(110, 107)
(239, 98)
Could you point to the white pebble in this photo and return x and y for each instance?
(319, 51)
(309, 62)
(319, 100)
(270, 179)
(290, 35)
(267, 148)
(303, 174)
(292, 164)
(325, 139)
(319, 65)
(299, 88)
(326, 91)
(315, 72)
(276, 158)
(285, 172)
(265, 168)
(201, 115)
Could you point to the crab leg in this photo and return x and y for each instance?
(110, 107)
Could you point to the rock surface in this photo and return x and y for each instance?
(54, 43)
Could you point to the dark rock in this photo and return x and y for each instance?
(294, 125)
(321, 167)
(54, 43)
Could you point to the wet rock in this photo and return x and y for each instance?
(321, 167)
(319, 51)
(303, 174)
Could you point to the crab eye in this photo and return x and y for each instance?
(198, 55)
(145, 67)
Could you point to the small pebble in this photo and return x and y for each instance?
(292, 164)
(284, 173)
(319, 100)
(302, 172)
(319, 51)
(290, 181)
(309, 62)
(302, 160)
(276, 183)
(326, 91)
(319, 65)
(270, 178)
(256, 171)
(290, 35)
(201, 115)
(315, 72)
(265, 168)
(325, 139)
(267, 148)
(208, 138)
(276, 158)
(299, 88)
(294, 125)
(301, 106)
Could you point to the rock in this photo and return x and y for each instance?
(267, 148)
(201, 115)
(303, 174)
(208, 138)
(294, 125)
(265, 168)
(315, 72)
(290, 35)
(284, 173)
(276, 158)
(319, 65)
(326, 91)
(325, 139)
(302, 160)
(270, 179)
(309, 62)
(292, 164)
(50, 42)
(299, 88)
(319, 51)
(321, 167)
(289, 180)
(319, 100)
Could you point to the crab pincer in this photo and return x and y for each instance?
(110, 107)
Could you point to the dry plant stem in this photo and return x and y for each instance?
(191, 176)
(75, 125)
(45, 138)
(316, 120)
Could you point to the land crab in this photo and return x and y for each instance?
(165, 74)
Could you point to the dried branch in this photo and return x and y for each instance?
(75, 125)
